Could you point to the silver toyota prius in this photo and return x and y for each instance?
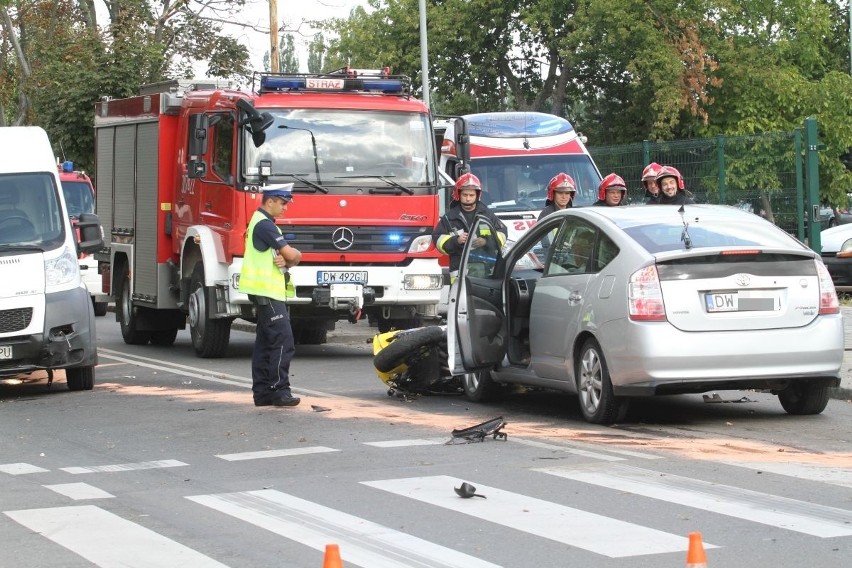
(618, 302)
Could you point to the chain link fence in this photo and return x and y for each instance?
(762, 174)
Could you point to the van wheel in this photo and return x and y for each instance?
(803, 398)
(126, 315)
(164, 337)
(99, 307)
(598, 404)
(405, 345)
(80, 378)
(210, 337)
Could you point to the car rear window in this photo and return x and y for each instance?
(661, 237)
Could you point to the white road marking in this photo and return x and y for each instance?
(21, 468)
(812, 472)
(577, 448)
(275, 453)
(362, 542)
(79, 491)
(580, 529)
(109, 541)
(406, 443)
(123, 467)
(790, 514)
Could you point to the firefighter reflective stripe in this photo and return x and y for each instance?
(442, 240)
(259, 275)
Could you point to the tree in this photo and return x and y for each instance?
(316, 54)
(288, 61)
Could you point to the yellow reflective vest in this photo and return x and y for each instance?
(259, 275)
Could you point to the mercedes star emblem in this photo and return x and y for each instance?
(342, 238)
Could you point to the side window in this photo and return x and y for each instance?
(607, 250)
(223, 146)
(573, 249)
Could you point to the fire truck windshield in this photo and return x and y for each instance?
(346, 151)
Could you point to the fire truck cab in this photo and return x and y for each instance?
(181, 169)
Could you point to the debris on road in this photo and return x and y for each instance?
(466, 491)
(478, 432)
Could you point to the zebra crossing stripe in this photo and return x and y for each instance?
(833, 474)
(772, 510)
(262, 454)
(580, 529)
(407, 443)
(107, 540)
(362, 542)
(123, 467)
(78, 491)
(21, 468)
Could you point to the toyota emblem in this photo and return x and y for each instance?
(742, 279)
(342, 238)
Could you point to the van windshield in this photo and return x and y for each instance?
(30, 214)
(346, 151)
(519, 183)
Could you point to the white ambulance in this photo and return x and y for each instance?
(46, 317)
(514, 155)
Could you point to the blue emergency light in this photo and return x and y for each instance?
(269, 83)
(394, 238)
(68, 166)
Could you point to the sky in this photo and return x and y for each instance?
(292, 15)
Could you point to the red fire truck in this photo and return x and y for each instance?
(180, 170)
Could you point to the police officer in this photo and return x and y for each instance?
(560, 194)
(265, 279)
(452, 231)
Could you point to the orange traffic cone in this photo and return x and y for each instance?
(695, 556)
(332, 557)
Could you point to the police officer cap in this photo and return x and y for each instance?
(283, 190)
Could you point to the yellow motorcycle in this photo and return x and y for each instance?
(412, 362)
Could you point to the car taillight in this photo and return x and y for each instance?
(645, 296)
(828, 302)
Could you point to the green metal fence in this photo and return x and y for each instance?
(760, 173)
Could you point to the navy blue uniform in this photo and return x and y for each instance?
(274, 346)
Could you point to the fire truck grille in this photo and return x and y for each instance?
(353, 238)
(15, 320)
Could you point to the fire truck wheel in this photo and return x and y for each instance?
(210, 337)
(126, 316)
(310, 336)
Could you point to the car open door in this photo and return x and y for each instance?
(476, 321)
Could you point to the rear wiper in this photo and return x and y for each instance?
(385, 179)
(304, 180)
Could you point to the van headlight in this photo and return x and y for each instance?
(423, 281)
(61, 269)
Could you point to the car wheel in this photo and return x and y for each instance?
(100, 308)
(804, 398)
(80, 378)
(598, 404)
(406, 344)
(480, 387)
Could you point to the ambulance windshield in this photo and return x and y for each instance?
(346, 151)
(30, 214)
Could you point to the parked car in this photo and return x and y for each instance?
(656, 301)
(837, 255)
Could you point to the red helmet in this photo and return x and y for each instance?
(669, 171)
(650, 172)
(609, 182)
(467, 181)
(560, 182)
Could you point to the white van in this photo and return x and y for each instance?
(46, 317)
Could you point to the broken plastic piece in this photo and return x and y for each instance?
(466, 491)
(478, 432)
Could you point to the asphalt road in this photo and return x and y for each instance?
(167, 463)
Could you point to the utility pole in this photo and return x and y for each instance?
(273, 35)
(424, 53)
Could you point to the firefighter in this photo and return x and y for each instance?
(611, 191)
(649, 183)
(560, 194)
(453, 229)
(264, 277)
(672, 189)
